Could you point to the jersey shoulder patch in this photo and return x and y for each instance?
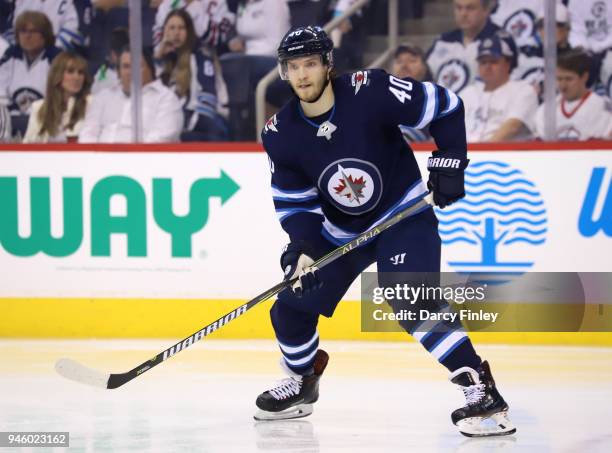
(360, 79)
(271, 124)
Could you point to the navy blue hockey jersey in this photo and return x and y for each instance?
(349, 169)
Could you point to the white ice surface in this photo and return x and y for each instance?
(375, 397)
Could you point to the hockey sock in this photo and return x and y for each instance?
(462, 355)
(299, 358)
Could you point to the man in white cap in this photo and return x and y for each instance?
(498, 109)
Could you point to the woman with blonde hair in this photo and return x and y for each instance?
(190, 73)
(59, 116)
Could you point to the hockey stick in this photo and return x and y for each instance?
(73, 370)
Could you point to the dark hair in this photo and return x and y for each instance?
(119, 38)
(575, 60)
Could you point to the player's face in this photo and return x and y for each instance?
(73, 79)
(307, 76)
(409, 65)
(175, 31)
(494, 71)
(571, 85)
(470, 14)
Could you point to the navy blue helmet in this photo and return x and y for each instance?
(303, 41)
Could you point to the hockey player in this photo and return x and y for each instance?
(339, 167)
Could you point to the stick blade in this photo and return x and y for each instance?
(74, 371)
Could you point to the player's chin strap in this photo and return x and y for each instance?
(75, 371)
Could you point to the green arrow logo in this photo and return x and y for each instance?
(182, 228)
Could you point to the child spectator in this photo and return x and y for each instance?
(581, 113)
(58, 117)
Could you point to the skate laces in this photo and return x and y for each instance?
(474, 393)
(286, 388)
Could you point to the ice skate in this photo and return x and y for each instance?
(294, 396)
(486, 412)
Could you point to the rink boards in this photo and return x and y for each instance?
(157, 241)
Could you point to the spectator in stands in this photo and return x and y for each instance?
(562, 29)
(63, 17)
(106, 76)
(24, 67)
(409, 61)
(519, 17)
(581, 113)
(5, 124)
(191, 74)
(452, 57)
(59, 116)
(498, 109)
(109, 116)
(112, 14)
(590, 25)
(260, 25)
(195, 9)
(531, 56)
(212, 20)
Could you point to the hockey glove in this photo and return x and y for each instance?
(297, 263)
(446, 176)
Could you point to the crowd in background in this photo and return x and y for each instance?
(65, 66)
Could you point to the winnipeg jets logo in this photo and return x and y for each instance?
(271, 125)
(353, 186)
(349, 187)
(358, 79)
(454, 75)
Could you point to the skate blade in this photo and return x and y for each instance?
(496, 425)
(299, 411)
